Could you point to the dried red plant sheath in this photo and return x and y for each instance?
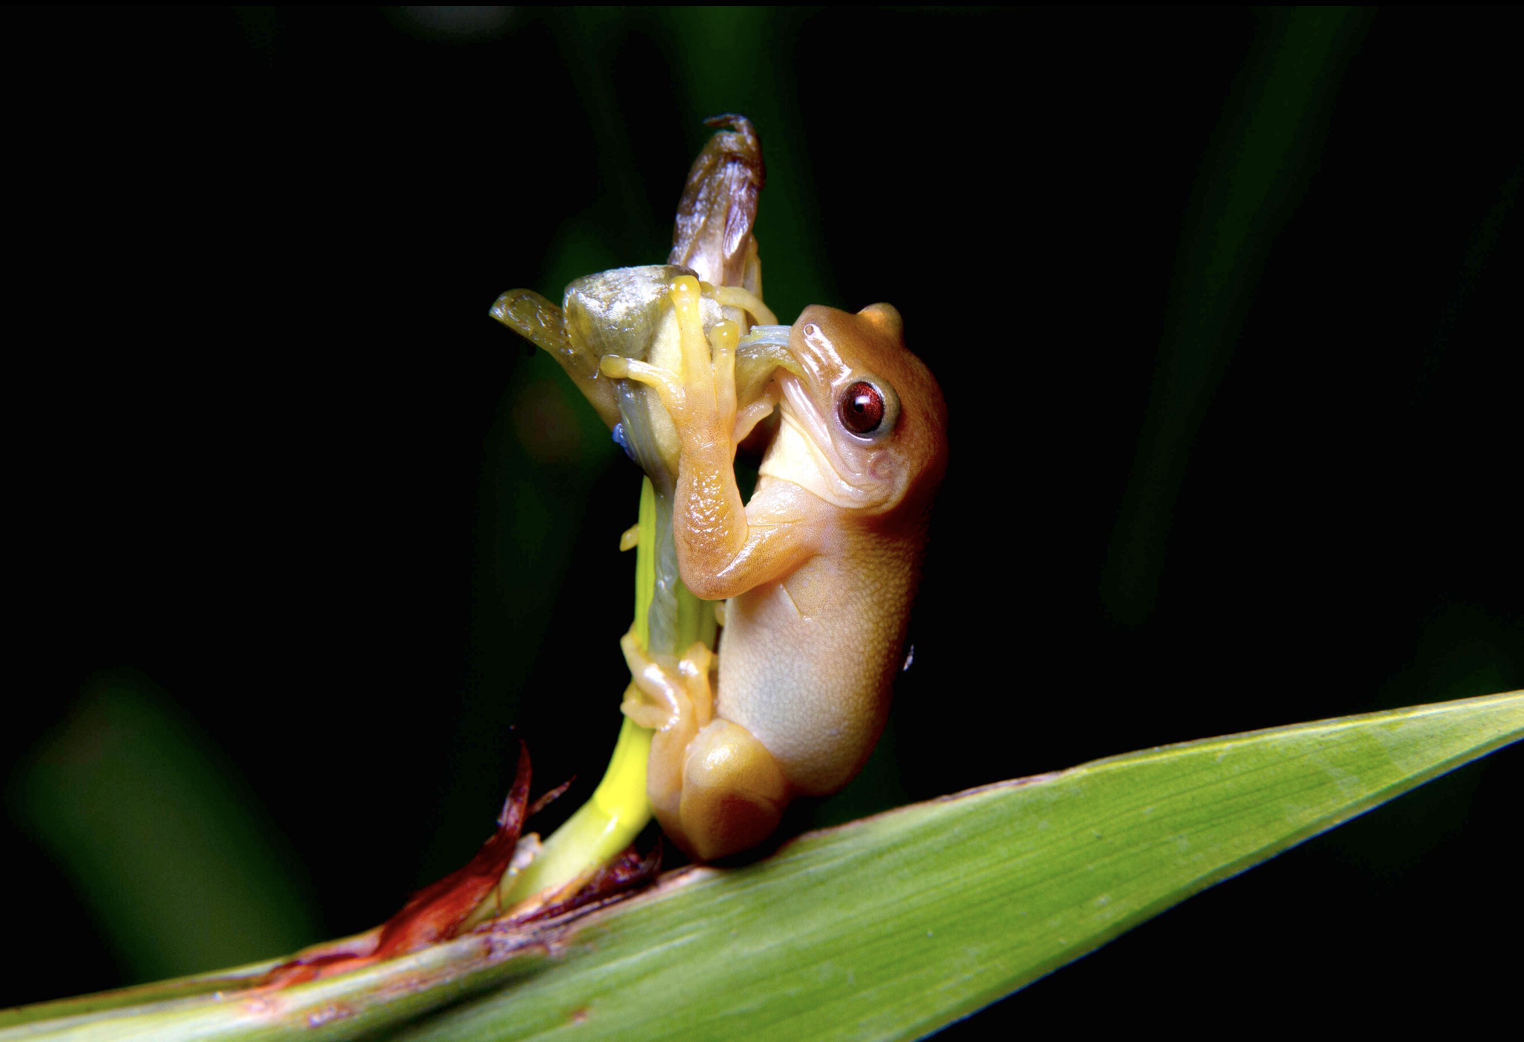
(433, 913)
(715, 217)
(546, 799)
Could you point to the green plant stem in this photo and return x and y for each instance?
(609, 822)
(600, 828)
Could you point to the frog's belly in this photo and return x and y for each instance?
(811, 684)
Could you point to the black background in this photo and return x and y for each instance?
(278, 470)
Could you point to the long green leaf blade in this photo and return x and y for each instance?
(889, 927)
(894, 926)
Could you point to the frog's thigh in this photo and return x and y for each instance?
(733, 791)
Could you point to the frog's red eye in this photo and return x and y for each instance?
(862, 408)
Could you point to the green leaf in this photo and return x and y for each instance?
(892, 926)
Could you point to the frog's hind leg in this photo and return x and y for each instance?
(715, 789)
(733, 793)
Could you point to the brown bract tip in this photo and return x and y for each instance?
(712, 233)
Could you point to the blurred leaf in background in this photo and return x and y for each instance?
(180, 867)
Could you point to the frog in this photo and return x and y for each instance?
(813, 576)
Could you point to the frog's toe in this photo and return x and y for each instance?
(693, 347)
(736, 297)
(723, 338)
(665, 383)
(656, 697)
(645, 711)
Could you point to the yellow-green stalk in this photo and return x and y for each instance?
(609, 822)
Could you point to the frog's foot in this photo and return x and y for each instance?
(656, 697)
(660, 695)
(733, 793)
(700, 395)
(676, 702)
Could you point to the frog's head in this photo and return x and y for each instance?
(871, 411)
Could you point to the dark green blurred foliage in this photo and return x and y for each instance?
(1224, 305)
(176, 861)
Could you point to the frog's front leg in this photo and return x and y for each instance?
(722, 551)
(714, 788)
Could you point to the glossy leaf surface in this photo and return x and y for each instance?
(889, 927)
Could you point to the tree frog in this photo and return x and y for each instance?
(816, 571)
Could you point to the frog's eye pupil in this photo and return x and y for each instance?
(862, 408)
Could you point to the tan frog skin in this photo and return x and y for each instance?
(817, 571)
